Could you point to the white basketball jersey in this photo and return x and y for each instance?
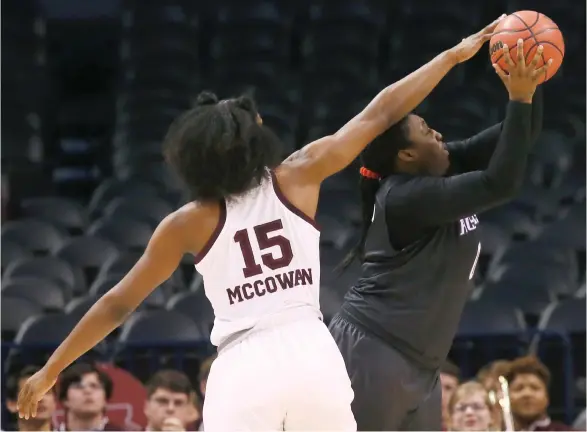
(262, 260)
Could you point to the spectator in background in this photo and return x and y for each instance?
(489, 374)
(449, 379)
(470, 409)
(204, 372)
(169, 404)
(489, 377)
(528, 381)
(84, 391)
(44, 419)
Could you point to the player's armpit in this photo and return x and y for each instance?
(161, 258)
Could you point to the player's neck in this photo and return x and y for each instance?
(34, 425)
(407, 168)
(79, 424)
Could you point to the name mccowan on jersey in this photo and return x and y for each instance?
(270, 284)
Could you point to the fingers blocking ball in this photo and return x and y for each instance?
(534, 29)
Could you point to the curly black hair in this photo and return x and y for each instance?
(379, 156)
(219, 149)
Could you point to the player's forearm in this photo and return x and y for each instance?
(537, 113)
(505, 172)
(403, 96)
(102, 318)
(475, 153)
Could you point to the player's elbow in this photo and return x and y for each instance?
(116, 307)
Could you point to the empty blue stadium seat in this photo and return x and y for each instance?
(48, 267)
(159, 327)
(35, 235)
(45, 330)
(196, 306)
(485, 318)
(126, 233)
(49, 295)
(61, 212)
(12, 252)
(15, 311)
(87, 252)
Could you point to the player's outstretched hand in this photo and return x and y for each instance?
(32, 392)
(469, 46)
(521, 79)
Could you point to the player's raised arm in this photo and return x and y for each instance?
(474, 153)
(326, 156)
(162, 256)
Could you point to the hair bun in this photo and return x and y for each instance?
(246, 103)
(206, 98)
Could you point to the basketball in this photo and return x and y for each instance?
(534, 29)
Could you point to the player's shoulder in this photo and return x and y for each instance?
(194, 213)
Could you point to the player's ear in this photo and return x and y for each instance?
(407, 155)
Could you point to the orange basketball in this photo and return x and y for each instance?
(534, 29)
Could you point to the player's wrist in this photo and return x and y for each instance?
(521, 98)
(451, 56)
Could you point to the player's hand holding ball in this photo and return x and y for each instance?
(535, 30)
(522, 79)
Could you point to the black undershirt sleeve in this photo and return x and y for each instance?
(430, 201)
(474, 153)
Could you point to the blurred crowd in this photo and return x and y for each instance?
(520, 401)
(83, 400)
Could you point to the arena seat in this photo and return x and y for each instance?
(196, 306)
(60, 212)
(558, 281)
(126, 233)
(112, 188)
(88, 253)
(79, 306)
(35, 235)
(49, 295)
(566, 319)
(47, 267)
(486, 318)
(120, 264)
(103, 283)
(159, 327)
(531, 297)
(15, 311)
(45, 330)
(156, 172)
(334, 232)
(12, 252)
(568, 232)
(534, 254)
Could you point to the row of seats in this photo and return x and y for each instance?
(479, 318)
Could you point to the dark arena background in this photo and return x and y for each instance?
(90, 87)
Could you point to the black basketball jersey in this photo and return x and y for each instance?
(423, 245)
(413, 297)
